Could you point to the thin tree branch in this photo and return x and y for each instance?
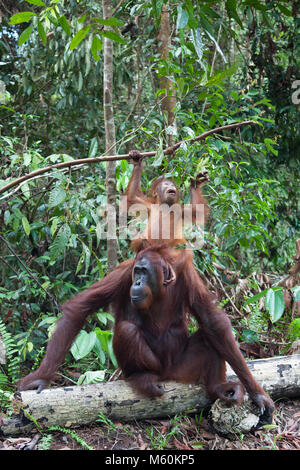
(52, 297)
(168, 151)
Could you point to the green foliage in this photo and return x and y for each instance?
(12, 357)
(73, 434)
(294, 331)
(159, 440)
(91, 377)
(45, 442)
(274, 301)
(21, 17)
(99, 341)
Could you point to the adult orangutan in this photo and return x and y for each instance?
(152, 295)
(166, 216)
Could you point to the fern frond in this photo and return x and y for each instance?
(13, 360)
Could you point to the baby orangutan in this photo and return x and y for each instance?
(166, 216)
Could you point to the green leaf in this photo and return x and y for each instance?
(255, 4)
(182, 17)
(82, 19)
(26, 225)
(113, 36)
(27, 158)
(8, 109)
(104, 317)
(54, 225)
(111, 352)
(256, 297)
(294, 329)
(93, 147)
(25, 35)
(87, 256)
(98, 350)
(218, 77)
(156, 7)
(39, 3)
(21, 17)
(57, 196)
(60, 242)
(105, 338)
(284, 10)
(65, 25)
(198, 43)
(269, 144)
(79, 36)
(80, 81)
(296, 293)
(42, 33)
(274, 303)
(91, 377)
(249, 336)
(110, 21)
(95, 47)
(232, 13)
(159, 156)
(83, 344)
(217, 45)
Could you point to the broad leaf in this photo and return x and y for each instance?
(198, 43)
(232, 13)
(274, 303)
(83, 344)
(60, 242)
(113, 36)
(93, 147)
(56, 196)
(159, 156)
(296, 293)
(91, 377)
(96, 46)
(26, 225)
(110, 21)
(249, 336)
(39, 3)
(21, 17)
(79, 36)
(42, 33)
(256, 297)
(65, 25)
(182, 17)
(217, 45)
(25, 35)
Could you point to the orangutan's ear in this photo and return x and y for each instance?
(169, 276)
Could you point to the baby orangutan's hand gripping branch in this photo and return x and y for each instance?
(152, 295)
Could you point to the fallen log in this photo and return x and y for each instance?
(79, 405)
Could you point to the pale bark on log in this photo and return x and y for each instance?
(79, 405)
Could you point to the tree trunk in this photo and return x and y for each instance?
(78, 405)
(169, 96)
(110, 137)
